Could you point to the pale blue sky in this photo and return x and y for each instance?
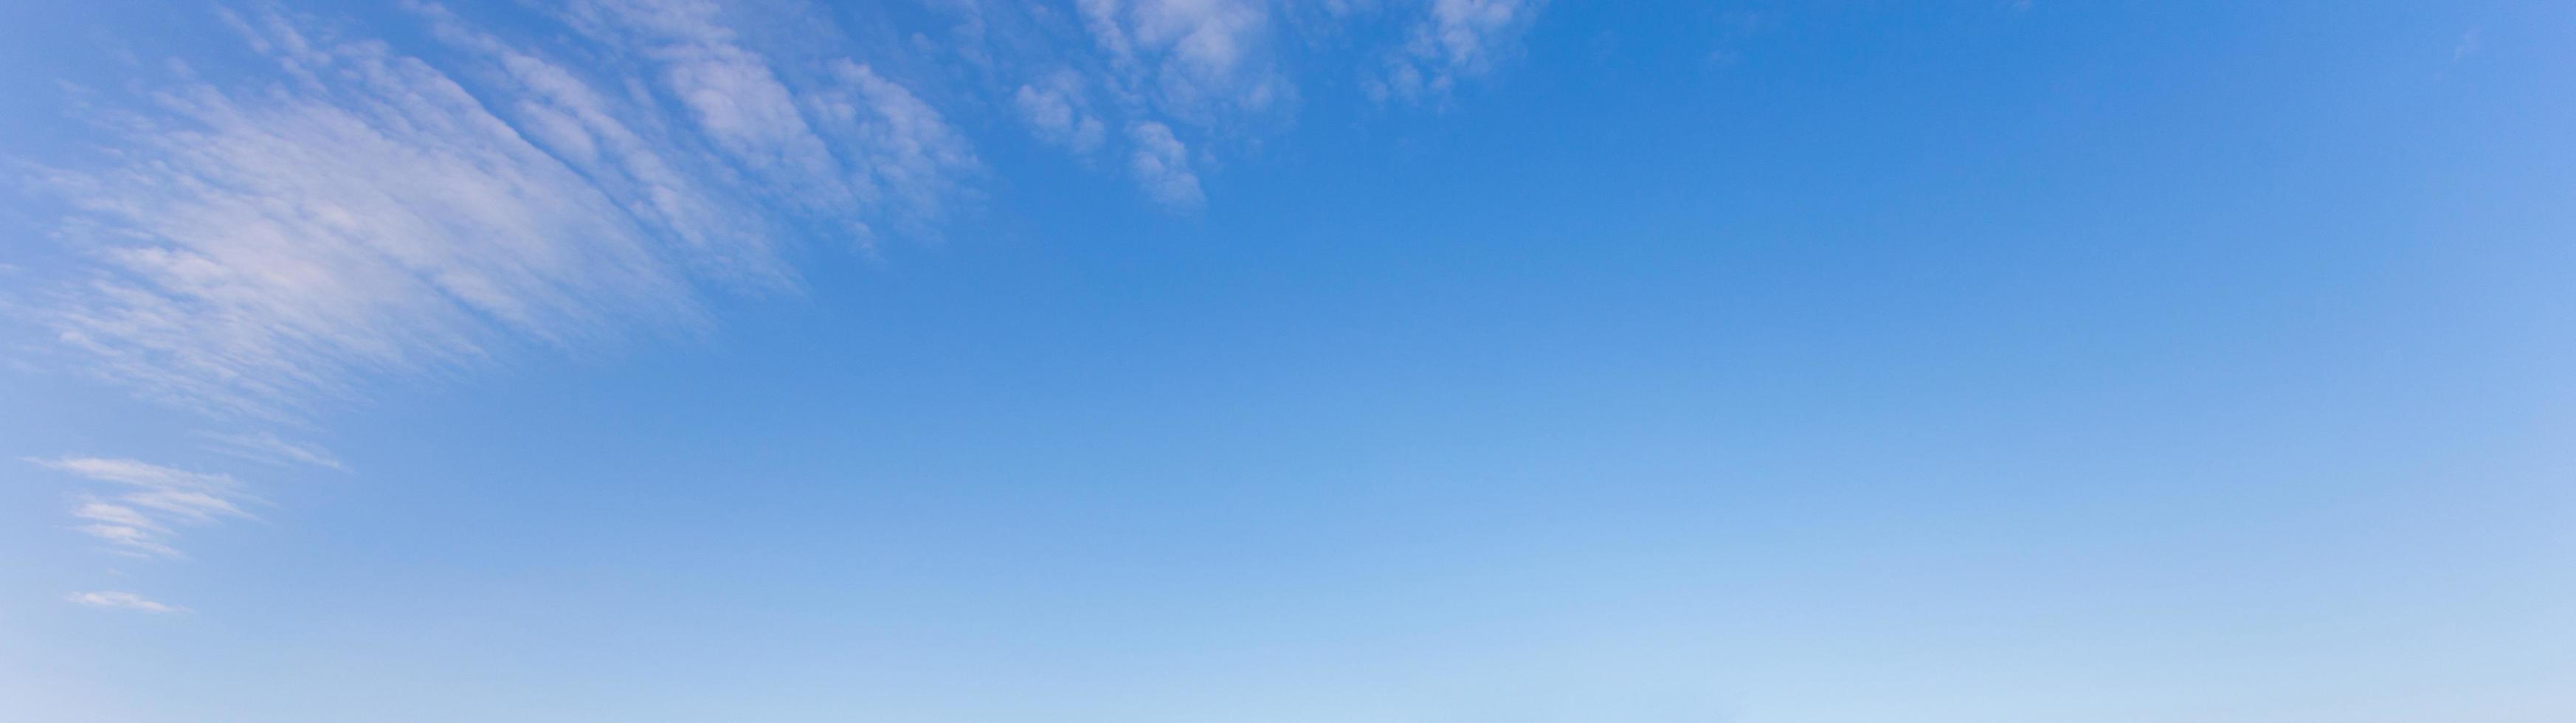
(1190, 360)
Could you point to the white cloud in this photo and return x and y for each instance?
(131, 541)
(139, 474)
(282, 243)
(266, 248)
(1221, 73)
(115, 515)
(1162, 165)
(1207, 63)
(628, 151)
(263, 249)
(1454, 40)
(121, 601)
(1194, 57)
(267, 447)
(734, 98)
(1057, 109)
(189, 505)
(139, 521)
(270, 246)
(908, 151)
(125, 530)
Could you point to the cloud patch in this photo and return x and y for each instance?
(1059, 112)
(1190, 58)
(1162, 165)
(1451, 41)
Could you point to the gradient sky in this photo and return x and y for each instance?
(1377, 361)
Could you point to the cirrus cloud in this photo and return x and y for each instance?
(140, 519)
(115, 600)
(268, 243)
(261, 247)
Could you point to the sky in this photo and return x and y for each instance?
(1388, 361)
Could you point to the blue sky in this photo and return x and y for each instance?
(1180, 360)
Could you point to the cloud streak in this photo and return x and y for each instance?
(114, 600)
(140, 520)
(266, 447)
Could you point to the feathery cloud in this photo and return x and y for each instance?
(264, 248)
(139, 474)
(348, 213)
(140, 521)
(268, 448)
(121, 601)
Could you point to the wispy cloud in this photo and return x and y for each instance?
(266, 246)
(122, 601)
(132, 540)
(118, 515)
(140, 520)
(266, 447)
(138, 474)
(269, 244)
